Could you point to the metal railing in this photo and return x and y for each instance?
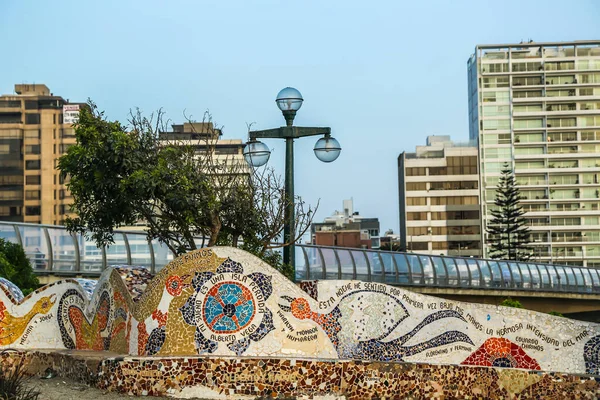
(408, 269)
(53, 250)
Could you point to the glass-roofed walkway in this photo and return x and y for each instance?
(53, 250)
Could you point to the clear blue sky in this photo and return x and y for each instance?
(382, 74)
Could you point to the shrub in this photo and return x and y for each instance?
(15, 266)
(556, 314)
(13, 384)
(511, 303)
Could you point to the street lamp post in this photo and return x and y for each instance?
(256, 153)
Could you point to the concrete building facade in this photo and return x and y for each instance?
(35, 130)
(536, 106)
(439, 199)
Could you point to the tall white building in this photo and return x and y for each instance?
(536, 106)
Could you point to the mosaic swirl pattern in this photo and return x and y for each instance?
(225, 302)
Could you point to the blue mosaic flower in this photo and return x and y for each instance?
(229, 307)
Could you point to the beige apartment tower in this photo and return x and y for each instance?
(439, 199)
(536, 106)
(35, 130)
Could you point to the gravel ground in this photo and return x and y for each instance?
(65, 389)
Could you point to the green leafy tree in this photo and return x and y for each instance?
(15, 266)
(121, 175)
(508, 234)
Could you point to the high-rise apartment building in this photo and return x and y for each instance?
(205, 138)
(439, 198)
(536, 106)
(35, 129)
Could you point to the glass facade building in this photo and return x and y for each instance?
(536, 106)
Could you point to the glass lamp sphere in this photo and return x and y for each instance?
(289, 99)
(327, 149)
(256, 153)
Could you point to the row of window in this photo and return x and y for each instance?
(539, 66)
(452, 185)
(443, 201)
(503, 96)
(443, 230)
(443, 215)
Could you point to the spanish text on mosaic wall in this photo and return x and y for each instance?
(226, 302)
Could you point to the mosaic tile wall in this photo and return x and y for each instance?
(250, 378)
(225, 302)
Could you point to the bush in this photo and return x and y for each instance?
(556, 314)
(15, 266)
(12, 384)
(511, 303)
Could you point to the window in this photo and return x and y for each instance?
(11, 195)
(589, 78)
(527, 81)
(494, 68)
(32, 149)
(590, 135)
(33, 179)
(562, 107)
(418, 230)
(562, 149)
(416, 216)
(31, 105)
(65, 147)
(566, 221)
(453, 185)
(564, 179)
(495, 124)
(416, 186)
(33, 133)
(562, 136)
(494, 111)
(528, 123)
(437, 171)
(589, 121)
(67, 133)
(529, 164)
(439, 245)
(527, 66)
(32, 164)
(529, 150)
(32, 194)
(32, 119)
(495, 82)
(415, 171)
(559, 66)
(496, 138)
(561, 122)
(560, 93)
(503, 152)
(10, 104)
(531, 180)
(562, 164)
(519, 94)
(454, 201)
(496, 97)
(527, 108)
(35, 210)
(416, 201)
(561, 80)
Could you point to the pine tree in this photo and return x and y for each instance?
(507, 233)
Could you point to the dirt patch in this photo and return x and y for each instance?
(66, 389)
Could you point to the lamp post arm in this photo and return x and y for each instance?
(293, 132)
